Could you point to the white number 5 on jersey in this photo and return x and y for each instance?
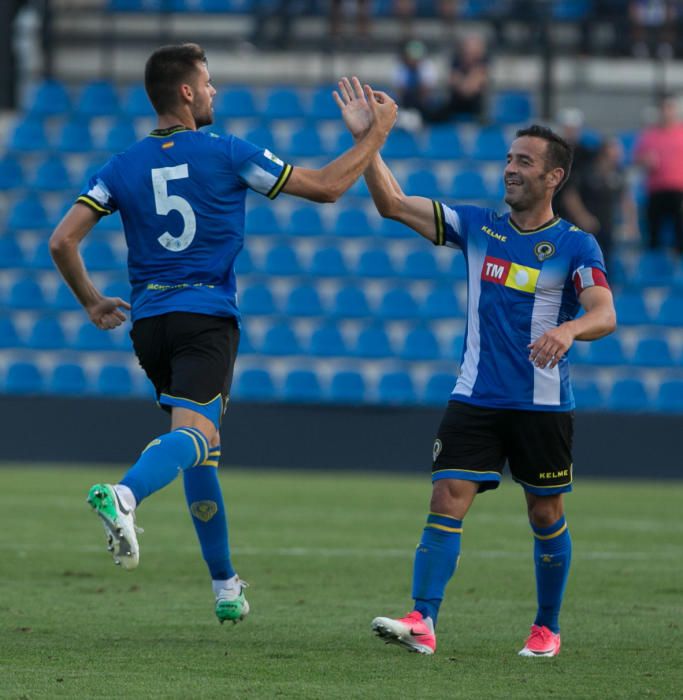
(166, 203)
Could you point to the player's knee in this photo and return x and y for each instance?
(452, 497)
(545, 511)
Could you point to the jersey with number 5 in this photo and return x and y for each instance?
(181, 195)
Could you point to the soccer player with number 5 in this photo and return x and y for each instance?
(181, 194)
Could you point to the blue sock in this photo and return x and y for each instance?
(205, 501)
(552, 557)
(163, 458)
(435, 561)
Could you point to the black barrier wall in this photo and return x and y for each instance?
(364, 438)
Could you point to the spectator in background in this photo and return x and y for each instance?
(569, 203)
(338, 10)
(468, 78)
(414, 82)
(604, 190)
(652, 27)
(9, 9)
(660, 152)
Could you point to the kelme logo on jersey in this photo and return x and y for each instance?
(544, 250)
(510, 274)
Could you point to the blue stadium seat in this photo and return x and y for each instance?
(46, 334)
(67, 380)
(400, 144)
(587, 395)
(469, 184)
(23, 378)
(444, 143)
(120, 137)
(302, 386)
(257, 300)
(388, 228)
(254, 385)
(631, 309)
(98, 99)
(457, 346)
(490, 144)
(99, 255)
(438, 389)
(75, 137)
(352, 223)
(652, 352)
(347, 387)
(65, 300)
(306, 221)
(327, 341)
(136, 104)
(373, 342)
(283, 103)
(606, 351)
(264, 137)
(114, 380)
(29, 136)
(420, 344)
(244, 264)
(236, 102)
(328, 262)
(11, 173)
(28, 214)
(654, 269)
(670, 396)
(441, 302)
(11, 254)
(50, 98)
(375, 263)
(26, 294)
(398, 303)
(262, 221)
(52, 175)
(304, 301)
(323, 105)
(305, 143)
(571, 10)
(420, 265)
(280, 339)
(628, 395)
(282, 260)
(396, 388)
(671, 310)
(422, 183)
(350, 302)
(89, 337)
(511, 107)
(9, 338)
(41, 258)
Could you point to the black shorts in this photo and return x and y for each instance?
(189, 358)
(473, 444)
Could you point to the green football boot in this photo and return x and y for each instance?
(231, 604)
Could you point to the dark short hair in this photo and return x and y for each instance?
(168, 68)
(558, 154)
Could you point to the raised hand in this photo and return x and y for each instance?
(355, 109)
(106, 313)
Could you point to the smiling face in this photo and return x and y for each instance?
(528, 181)
(202, 93)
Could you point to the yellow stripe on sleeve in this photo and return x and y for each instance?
(83, 199)
(280, 182)
(438, 220)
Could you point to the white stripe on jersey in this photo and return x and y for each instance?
(258, 179)
(544, 316)
(453, 220)
(470, 364)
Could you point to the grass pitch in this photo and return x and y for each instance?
(325, 554)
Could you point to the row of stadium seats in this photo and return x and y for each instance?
(101, 99)
(376, 339)
(303, 385)
(561, 10)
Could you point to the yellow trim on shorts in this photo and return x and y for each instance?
(468, 471)
(182, 398)
(550, 486)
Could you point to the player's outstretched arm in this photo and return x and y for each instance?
(391, 202)
(328, 183)
(104, 312)
(599, 320)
